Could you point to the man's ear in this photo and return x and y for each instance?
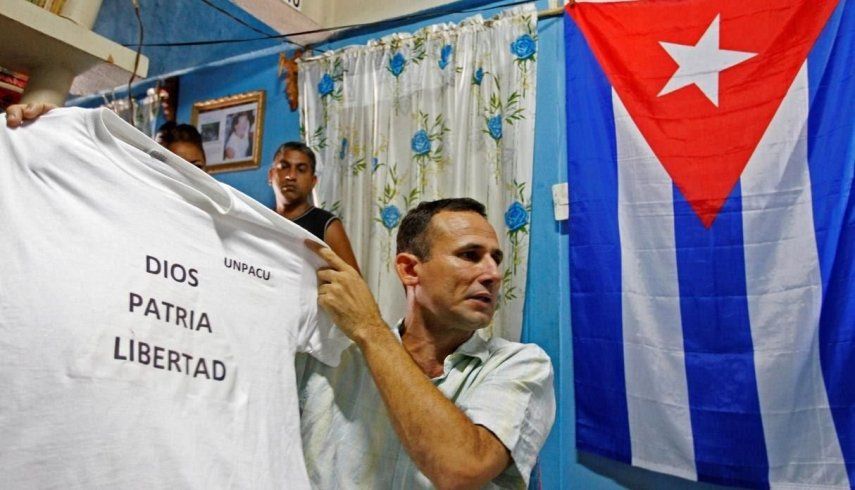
(406, 265)
(270, 173)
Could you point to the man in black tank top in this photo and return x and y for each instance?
(292, 177)
(316, 221)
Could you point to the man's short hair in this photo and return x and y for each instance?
(164, 133)
(187, 133)
(170, 133)
(296, 146)
(412, 235)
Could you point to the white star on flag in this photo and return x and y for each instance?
(701, 64)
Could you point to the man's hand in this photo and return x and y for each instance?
(16, 114)
(345, 296)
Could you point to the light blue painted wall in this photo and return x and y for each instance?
(547, 311)
(169, 21)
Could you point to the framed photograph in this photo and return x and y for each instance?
(231, 129)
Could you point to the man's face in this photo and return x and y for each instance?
(292, 176)
(458, 283)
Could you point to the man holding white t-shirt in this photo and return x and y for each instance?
(462, 411)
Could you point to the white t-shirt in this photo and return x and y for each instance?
(149, 317)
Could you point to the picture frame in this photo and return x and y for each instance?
(231, 129)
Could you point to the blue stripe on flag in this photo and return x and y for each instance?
(602, 421)
(831, 161)
(727, 428)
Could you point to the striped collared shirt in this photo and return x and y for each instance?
(348, 439)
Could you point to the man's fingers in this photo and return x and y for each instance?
(16, 114)
(326, 295)
(327, 254)
(13, 115)
(326, 275)
(32, 111)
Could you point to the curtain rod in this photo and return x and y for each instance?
(553, 12)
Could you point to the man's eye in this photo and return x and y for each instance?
(470, 255)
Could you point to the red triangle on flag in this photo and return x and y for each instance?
(702, 79)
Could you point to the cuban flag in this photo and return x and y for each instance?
(712, 237)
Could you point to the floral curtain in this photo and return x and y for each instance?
(445, 112)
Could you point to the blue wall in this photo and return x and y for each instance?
(169, 21)
(547, 312)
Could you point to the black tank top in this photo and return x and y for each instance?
(316, 221)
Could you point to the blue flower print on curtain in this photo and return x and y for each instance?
(524, 47)
(390, 215)
(516, 216)
(397, 64)
(420, 143)
(444, 55)
(427, 145)
(326, 85)
(494, 127)
(342, 152)
(500, 112)
(478, 76)
(516, 222)
(329, 89)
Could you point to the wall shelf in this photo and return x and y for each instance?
(55, 52)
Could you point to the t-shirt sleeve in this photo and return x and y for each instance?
(517, 404)
(317, 335)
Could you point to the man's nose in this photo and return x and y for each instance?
(490, 275)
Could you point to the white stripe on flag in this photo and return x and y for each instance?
(784, 293)
(656, 390)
